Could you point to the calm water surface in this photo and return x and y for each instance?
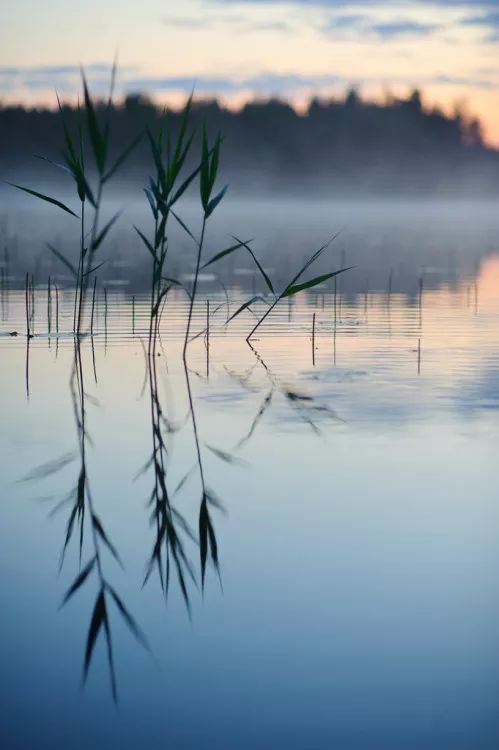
(358, 543)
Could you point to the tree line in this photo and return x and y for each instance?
(344, 145)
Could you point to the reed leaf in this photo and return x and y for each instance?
(295, 288)
(246, 305)
(123, 157)
(105, 539)
(79, 580)
(213, 203)
(183, 225)
(97, 140)
(46, 198)
(62, 258)
(146, 242)
(49, 468)
(257, 262)
(102, 234)
(98, 617)
(129, 620)
(225, 252)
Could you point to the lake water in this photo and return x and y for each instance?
(358, 600)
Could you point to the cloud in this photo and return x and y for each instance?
(285, 83)
(476, 83)
(186, 22)
(366, 25)
(238, 23)
(265, 83)
(61, 78)
(489, 21)
(351, 21)
(486, 19)
(393, 29)
(66, 79)
(55, 70)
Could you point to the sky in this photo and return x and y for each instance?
(240, 49)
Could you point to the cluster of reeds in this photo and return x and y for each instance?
(177, 170)
(89, 181)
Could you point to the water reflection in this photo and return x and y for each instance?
(358, 563)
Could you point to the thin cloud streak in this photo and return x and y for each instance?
(63, 77)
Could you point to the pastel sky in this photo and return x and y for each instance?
(237, 49)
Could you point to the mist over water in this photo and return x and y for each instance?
(390, 242)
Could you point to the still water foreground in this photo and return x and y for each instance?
(351, 460)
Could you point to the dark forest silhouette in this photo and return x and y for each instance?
(349, 145)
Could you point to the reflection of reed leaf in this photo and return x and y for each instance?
(207, 539)
(49, 468)
(58, 506)
(184, 525)
(144, 469)
(261, 411)
(184, 479)
(100, 619)
(79, 580)
(294, 396)
(214, 500)
(98, 616)
(105, 539)
(130, 621)
(225, 456)
(69, 532)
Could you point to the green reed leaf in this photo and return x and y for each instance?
(183, 225)
(97, 140)
(225, 252)
(156, 153)
(123, 157)
(152, 203)
(204, 185)
(46, 198)
(256, 261)
(295, 288)
(183, 187)
(213, 203)
(102, 234)
(62, 258)
(247, 304)
(146, 242)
